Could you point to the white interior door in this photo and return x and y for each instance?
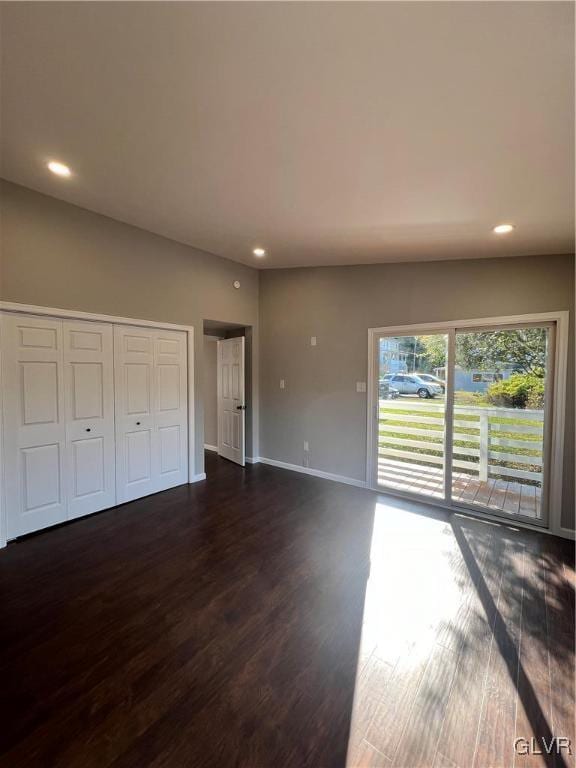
(150, 371)
(34, 423)
(89, 387)
(231, 400)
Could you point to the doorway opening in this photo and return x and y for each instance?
(227, 390)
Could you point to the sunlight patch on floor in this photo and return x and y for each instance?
(415, 596)
(404, 614)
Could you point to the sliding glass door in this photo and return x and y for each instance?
(501, 387)
(411, 413)
(463, 415)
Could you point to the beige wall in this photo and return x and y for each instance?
(210, 391)
(339, 304)
(55, 254)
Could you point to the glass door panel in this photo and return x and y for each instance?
(411, 413)
(499, 435)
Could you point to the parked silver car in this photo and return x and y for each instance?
(412, 384)
(432, 379)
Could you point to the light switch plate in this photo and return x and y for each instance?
(282, 384)
(360, 386)
(312, 341)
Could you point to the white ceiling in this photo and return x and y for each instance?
(328, 133)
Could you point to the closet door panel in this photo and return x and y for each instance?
(34, 423)
(138, 456)
(88, 472)
(89, 376)
(151, 410)
(40, 470)
(134, 407)
(171, 408)
(170, 439)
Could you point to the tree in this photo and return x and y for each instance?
(520, 349)
(434, 351)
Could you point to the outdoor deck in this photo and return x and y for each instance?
(499, 495)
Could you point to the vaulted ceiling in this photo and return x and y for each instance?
(326, 133)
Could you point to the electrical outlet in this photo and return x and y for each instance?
(282, 384)
(312, 341)
(306, 445)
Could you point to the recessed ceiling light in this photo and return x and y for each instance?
(259, 252)
(503, 229)
(59, 168)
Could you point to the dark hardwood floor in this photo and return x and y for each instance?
(270, 619)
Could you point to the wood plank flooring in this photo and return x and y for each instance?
(270, 619)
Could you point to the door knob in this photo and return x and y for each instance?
(87, 429)
(240, 407)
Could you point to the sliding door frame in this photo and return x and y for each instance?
(558, 368)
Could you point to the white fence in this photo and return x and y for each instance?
(496, 438)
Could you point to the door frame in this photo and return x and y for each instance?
(558, 371)
(72, 314)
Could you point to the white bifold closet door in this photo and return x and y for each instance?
(58, 429)
(34, 423)
(89, 398)
(95, 414)
(151, 411)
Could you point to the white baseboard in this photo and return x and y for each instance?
(198, 478)
(213, 448)
(253, 459)
(314, 472)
